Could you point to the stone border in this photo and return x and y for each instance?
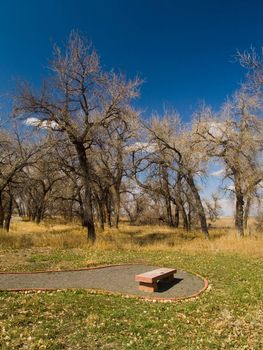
(100, 291)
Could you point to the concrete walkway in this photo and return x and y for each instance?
(117, 279)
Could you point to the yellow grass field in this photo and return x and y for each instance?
(26, 234)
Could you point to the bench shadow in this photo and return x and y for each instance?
(163, 286)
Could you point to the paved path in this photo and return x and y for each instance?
(118, 279)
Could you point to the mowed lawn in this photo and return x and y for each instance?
(227, 316)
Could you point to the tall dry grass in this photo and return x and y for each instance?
(26, 234)
(147, 237)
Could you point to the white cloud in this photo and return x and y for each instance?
(142, 146)
(230, 188)
(45, 124)
(32, 121)
(218, 172)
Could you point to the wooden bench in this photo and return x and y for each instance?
(148, 280)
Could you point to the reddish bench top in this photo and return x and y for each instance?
(154, 275)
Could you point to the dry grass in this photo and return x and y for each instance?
(64, 236)
(26, 234)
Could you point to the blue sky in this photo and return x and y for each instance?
(184, 50)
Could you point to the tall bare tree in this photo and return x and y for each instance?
(77, 100)
(180, 156)
(234, 137)
(16, 153)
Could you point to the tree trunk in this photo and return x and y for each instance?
(167, 196)
(2, 215)
(70, 211)
(108, 209)
(8, 214)
(33, 215)
(246, 211)
(41, 207)
(19, 208)
(169, 212)
(88, 214)
(81, 211)
(87, 195)
(239, 219)
(176, 217)
(186, 224)
(117, 204)
(189, 218)
(181, 209)
(100, 213)
(39, 215)
(199, 206)
(130, 215)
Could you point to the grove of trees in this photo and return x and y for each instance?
(78, 149)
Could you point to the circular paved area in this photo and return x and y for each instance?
(116, 279)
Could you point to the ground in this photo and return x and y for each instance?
(228, 316)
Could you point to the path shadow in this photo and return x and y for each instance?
(163, 286)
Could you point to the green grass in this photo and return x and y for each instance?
(228, 316)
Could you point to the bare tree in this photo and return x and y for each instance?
(41, 178)
(16, 154)
(213, 207)
(111, 159)
(79, 99)
(235, 138)
(180, 155)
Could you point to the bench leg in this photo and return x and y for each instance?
(148, 287)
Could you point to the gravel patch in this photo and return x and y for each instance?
(118, 279)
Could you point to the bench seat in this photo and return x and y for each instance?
(148, 280)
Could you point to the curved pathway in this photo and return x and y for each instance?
(117, 279)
